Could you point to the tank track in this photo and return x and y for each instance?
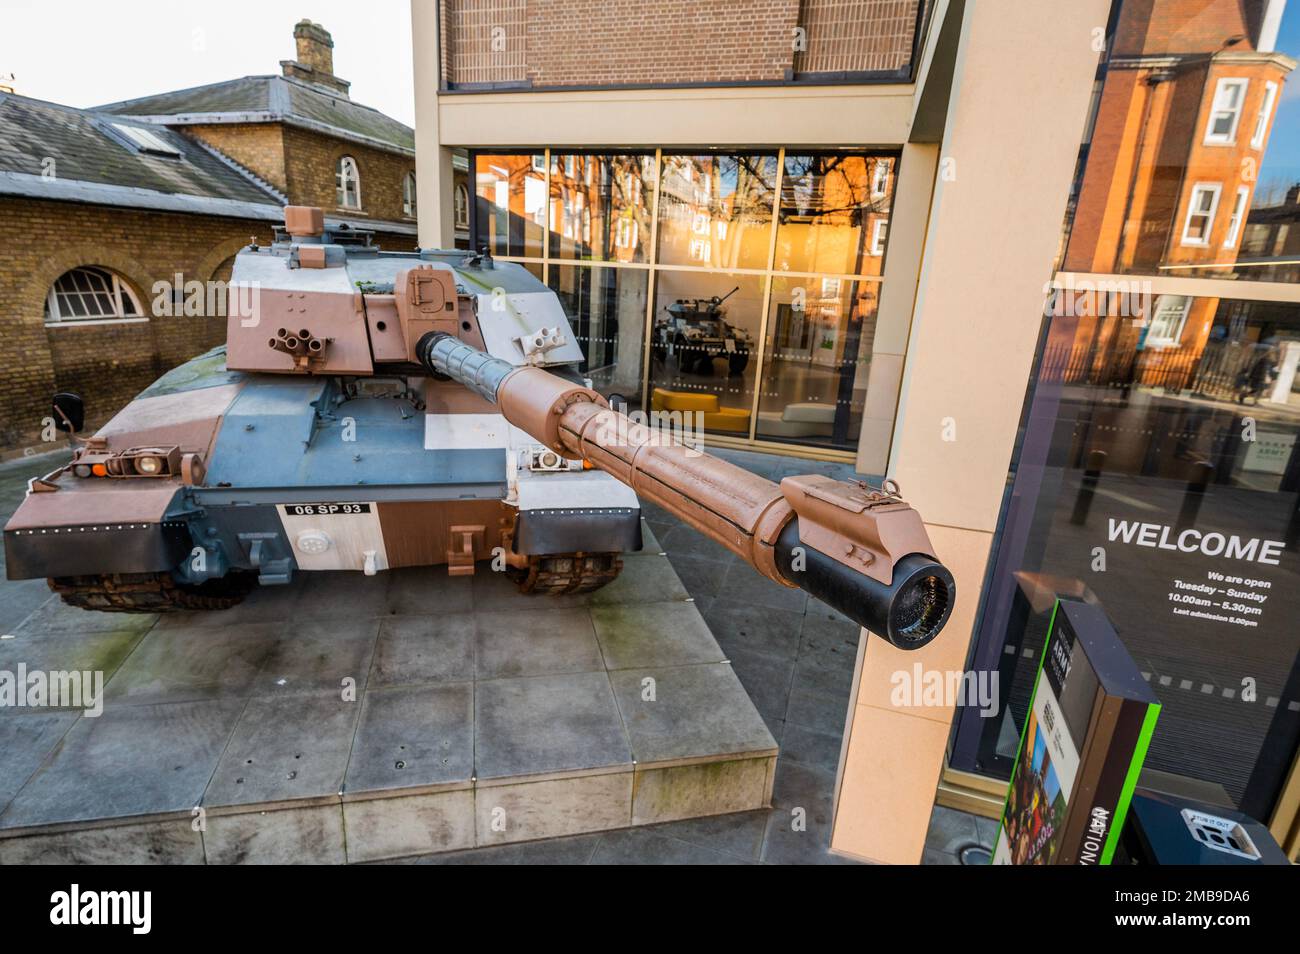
(568, 573)
(150, 592)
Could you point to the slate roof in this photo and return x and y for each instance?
(273, 99)
(87, 151)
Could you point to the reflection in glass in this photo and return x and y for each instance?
(601, 207)
(1164, 442)
(510, 202)
(1191, 163)
(834, 214)
(704, 346)
(716, 210)
(606, 307)
(819, 339)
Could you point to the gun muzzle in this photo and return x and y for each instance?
(862, 550)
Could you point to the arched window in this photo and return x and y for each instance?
(408, 195)
(348, 183)
(462, 206)
(90, 294)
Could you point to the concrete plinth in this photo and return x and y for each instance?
(345, 718)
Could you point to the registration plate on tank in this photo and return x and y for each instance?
(325, 509)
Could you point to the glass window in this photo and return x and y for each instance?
(408, 194)
(601, 207)
(90, 293)
(1265, 114)
(704, 346)
(832, 212)
(819, 337)
(1225, 112)
(716, 210)
(510, 195)
(606, 307)
(147, 141)
(1164, 485)
(347, 181)
(1200, 213)
(1168, 316)
(462, 206)
(1234, 220)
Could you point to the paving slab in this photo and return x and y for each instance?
(130, 761)
(319, 654)
(689, 713)
(540, 726)
(187, 664)
(25, 742)
(653, 634)
(535, 642)
(21, 599)
(286, 748)
(99, 653)
(418, 649)
(55, 617)
(413, 738)
(646, 578)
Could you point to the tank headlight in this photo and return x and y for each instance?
(81, 470)
(148, 464)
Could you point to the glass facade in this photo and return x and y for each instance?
(1158, 470)
(510, 204)
(691, 286)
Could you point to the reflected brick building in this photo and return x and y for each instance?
(1185, 102)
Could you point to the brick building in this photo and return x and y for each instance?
(103, 204)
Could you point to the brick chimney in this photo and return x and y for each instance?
(315, 62)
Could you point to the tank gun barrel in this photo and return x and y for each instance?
(728, 294)
(860, 549)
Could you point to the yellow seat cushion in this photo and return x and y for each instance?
(727, 419)
(716, 417)
(664, 400)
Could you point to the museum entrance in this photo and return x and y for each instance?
(1158, 478)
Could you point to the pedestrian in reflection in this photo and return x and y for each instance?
(1260, 373)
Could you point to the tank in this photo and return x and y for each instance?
(695, 333)
(375, 410)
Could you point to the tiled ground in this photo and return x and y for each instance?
(795, 657)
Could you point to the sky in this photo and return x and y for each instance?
(82, 53)
(1281, 166)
